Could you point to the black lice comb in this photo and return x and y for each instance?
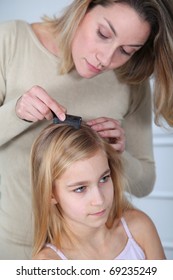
(70, 120)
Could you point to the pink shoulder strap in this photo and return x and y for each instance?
(126, 228)
(56, 250)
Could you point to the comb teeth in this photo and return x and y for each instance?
(70, 120)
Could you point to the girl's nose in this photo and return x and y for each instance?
(97, 197)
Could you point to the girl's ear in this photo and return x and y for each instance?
(54, 196)
(53, 199)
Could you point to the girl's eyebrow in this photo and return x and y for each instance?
(80, 183)
(115, 33)
(76, 184)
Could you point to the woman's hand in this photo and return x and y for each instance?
(111, 129)
(36, 105)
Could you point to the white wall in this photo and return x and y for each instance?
(30, 10)
(159, 205)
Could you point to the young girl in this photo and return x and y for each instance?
(80, 208)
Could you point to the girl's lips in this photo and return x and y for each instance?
(100, 213)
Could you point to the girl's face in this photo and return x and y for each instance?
(85, 192)
(110, 36)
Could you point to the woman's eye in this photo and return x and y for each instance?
(125, 52)
(102, 35)
(80, 189)
(104, 179)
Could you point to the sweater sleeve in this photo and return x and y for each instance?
(138, 157)
(10, 124)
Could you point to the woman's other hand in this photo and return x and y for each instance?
(110, 129)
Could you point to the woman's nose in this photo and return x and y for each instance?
(105, 56)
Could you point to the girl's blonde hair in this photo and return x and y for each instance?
(57, 148)
(155, 57)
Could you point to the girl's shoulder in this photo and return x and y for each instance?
(46, 254)
(144, 231)
(139, 224)
(135, 215)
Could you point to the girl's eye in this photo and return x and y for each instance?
(104, 179)
(80, 189)
(102, 35)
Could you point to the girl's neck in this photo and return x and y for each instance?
(87, 245)
(84, 235)
(101, 243)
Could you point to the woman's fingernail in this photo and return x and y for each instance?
(62, 117)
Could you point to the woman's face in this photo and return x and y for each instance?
(107, 38)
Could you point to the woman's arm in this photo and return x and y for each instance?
(133, 140)
(138, 156)
(16, 103)
(19, 114)
(10, 124)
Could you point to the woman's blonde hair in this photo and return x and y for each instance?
(155, 57)
(57, 148)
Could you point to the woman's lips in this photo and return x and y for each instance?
(92, 68)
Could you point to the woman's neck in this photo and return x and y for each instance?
(46, 37)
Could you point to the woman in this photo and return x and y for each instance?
(90, 40)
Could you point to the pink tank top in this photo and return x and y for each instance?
(132, 251)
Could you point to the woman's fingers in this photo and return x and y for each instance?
(36, 104)
(110, 129)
